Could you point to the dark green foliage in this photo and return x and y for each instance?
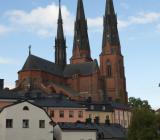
(138, 103)
(145, 124)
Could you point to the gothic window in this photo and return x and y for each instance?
(109, 69)
(120, 69)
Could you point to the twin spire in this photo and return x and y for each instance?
(60, 33)
(60, 42)
(110, 43)
(81, 46)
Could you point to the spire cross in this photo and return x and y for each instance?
(29, 49)
(59, 3)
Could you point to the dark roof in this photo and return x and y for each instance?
(81, 68)
(77, 126)
(57, 102)
(110, 132)
(6, 94)
(19, 95)
(104, 131)
(37, 63)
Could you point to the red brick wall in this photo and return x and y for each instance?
(116, 84)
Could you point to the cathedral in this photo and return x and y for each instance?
(83, 78)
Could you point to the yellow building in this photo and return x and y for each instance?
(114, 112)
(102, 112)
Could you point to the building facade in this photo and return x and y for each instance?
(83, 78)
(75, 132)
(25, 121)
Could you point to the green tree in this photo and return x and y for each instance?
(142, 125)
(137, 103)
(145, 124)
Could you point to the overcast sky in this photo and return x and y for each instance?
(25, 22)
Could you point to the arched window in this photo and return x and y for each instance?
(109, 69)
(25, 108)
(121, 70)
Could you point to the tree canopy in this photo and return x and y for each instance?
(145, 124)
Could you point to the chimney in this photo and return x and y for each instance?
(1, 84)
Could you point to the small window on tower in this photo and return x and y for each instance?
(109, 69)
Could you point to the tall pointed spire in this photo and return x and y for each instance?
(80, 10)
(60, 23)
(109, 8)
(110, 32)
(111, 59)
(81, 47)
(60, 42)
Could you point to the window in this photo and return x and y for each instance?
(92, 107)
(71, 114)
(25, 124)
(80, 114)
(109, 69)
(61, 114)
(103, 108)
(41, 123)
(25, 108)
(9, 123)
(52, 113)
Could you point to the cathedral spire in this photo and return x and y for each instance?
(110, 32)
(60, 33)
(80, 10)
(60, 42)
(81, 47)
(109, 8)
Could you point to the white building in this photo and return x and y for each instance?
(68, 131)
(25, 121)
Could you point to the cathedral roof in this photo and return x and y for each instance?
(37, 63)
(81, 68)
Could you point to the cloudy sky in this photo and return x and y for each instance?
(34, 22)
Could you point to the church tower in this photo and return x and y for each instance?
(81, 46)
(111, 59)
(60, 42)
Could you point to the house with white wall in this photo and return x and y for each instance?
(75, 131)
(25, 121)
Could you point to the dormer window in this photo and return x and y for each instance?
(25, 108)
(103, 108)
(92, 107)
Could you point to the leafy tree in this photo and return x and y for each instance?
(142, 125)
(145, 124)
(137, 103)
